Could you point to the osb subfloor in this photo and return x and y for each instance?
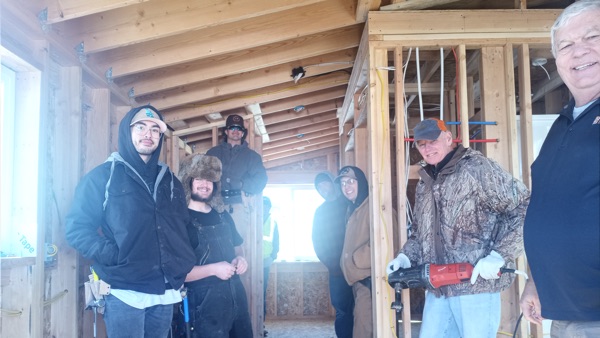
(309, 328)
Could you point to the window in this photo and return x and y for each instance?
(19, 128)
(293, 207)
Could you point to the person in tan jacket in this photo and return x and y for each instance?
(356, 254)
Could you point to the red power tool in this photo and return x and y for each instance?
(431, 276)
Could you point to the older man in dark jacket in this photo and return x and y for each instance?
(129, 217)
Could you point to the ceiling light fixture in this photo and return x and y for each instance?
(298, 73)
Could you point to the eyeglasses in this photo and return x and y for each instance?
(347, 182)
(142, 129)
(235, 128)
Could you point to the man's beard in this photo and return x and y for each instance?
(196, 197)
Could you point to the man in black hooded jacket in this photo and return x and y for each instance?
(129, 217)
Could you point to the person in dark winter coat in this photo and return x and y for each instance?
(129, 218)
(217, 300)
(243, 179)
(562, 226)
(467, 210)
(243, 172)
(329, 229)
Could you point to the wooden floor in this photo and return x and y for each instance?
(309, 328)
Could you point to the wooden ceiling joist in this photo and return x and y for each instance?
(61, 10)
(241, 62)
(415, 4)
(213, 41)
(298, 150)
(150, 21)
(259, 78)
(308, 111)
(303, 128)
(273, 93)
(304, 100)
(300, 156)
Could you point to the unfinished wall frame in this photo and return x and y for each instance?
(494, 34)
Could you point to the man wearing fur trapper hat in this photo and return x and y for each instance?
(217, 300)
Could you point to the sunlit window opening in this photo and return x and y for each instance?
(19, 127)
(293, 206)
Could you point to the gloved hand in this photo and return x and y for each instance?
(401, 261)
(488, 267)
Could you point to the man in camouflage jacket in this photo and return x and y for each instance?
(467, 210)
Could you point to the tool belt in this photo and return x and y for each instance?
(95, 290)
(231, 193)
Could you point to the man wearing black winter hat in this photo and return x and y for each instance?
(129, 217)
(243, 171)
(243, 177)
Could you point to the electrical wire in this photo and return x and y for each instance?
(545, 71)
(442, 83)
(517, 325)
(419, 82)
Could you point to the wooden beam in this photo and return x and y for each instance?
(273, 93)
(415, 4)
(364, 6)
(306, 100)
(235, 84)
(305, 128)
(299, 52)
(308, 111)
(401, 235)
(149, 21)
(18, 33)
(358, 78)
(282, 136)
(328, 117)
(61, 10)
(380, 197)
(213, 41)
(462, 94)
(301, 156)
(298, 150)
(293, 143)
(467, 23)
